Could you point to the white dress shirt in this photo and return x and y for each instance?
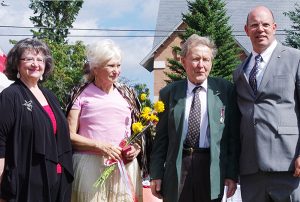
(266, 55)
(204, 140)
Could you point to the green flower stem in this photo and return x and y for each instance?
(105, 174)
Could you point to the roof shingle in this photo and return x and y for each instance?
(170, 15)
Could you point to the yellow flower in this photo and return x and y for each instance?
(146, 110)
(137, 127)
(159, 106)
(153, 118)
(143, 96)
(146, 116)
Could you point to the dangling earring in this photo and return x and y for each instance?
(41, 78)
(18, 75)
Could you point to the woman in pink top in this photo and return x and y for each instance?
(99, 119)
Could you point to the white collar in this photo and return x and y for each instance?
(191, 86)
(266, 54)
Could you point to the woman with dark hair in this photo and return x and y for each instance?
(34, 137)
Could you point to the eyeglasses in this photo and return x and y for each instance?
(259, 25)
(32, 60)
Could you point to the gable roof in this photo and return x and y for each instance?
(169, 18)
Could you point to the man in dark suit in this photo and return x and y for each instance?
(183, 172)
(268, 88)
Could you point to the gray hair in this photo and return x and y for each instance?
(99, 53)
(196, 40)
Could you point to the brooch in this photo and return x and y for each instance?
(28, 105)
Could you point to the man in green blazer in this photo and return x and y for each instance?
(178, 171)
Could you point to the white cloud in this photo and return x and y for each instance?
(16, 14)
(134, 51)
(105, 9)
(104, 14)
(86, 24)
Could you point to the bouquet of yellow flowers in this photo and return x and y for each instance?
(147, 119)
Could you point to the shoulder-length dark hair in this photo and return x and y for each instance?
(15, 54)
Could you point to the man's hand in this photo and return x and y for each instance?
(156, 188)
(297, 167)
(231, 187)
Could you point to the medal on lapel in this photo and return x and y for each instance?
(222, 114)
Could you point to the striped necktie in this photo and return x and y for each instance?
(253, 72)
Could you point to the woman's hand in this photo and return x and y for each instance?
(132, 152)
(113, 152)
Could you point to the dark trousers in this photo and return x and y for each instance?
(195, 178)
(270, 187)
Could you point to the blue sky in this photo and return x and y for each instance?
(101, 14)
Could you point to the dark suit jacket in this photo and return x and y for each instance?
(166, 155)
(270, 120)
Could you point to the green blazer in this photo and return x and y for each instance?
(166, 156)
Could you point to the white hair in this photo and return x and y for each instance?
(99, 53)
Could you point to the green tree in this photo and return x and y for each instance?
(208, 18)
(142, 88)
(293, 37)
(54, 18)
(68, 71)
(139, 88)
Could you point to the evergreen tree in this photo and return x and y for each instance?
(177, 70)
(293, 37)
(208, 18)
(54, 18)
(142, 88)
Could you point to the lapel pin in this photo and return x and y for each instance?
(222, 114)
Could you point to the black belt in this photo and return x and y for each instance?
(190, 150)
